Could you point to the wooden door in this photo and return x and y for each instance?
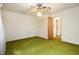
(50, 27)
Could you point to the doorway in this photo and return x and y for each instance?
(54, 27)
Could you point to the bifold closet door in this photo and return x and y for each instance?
(50, 27)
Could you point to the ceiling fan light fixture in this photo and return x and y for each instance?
(39, 9)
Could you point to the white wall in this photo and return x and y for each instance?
(43, 27)
(19, 26)
(70, 26)
(2, 34)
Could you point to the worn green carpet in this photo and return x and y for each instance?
(40, 46)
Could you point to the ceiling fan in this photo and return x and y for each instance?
(40, 9)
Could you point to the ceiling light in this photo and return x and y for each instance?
(39, 9)
(39, 14)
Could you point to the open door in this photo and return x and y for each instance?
(50, 27)
(54, 27)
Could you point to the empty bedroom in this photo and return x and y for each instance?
(39, 28)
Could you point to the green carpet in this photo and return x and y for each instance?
(40, 46)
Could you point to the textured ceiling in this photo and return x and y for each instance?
(26, 7)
